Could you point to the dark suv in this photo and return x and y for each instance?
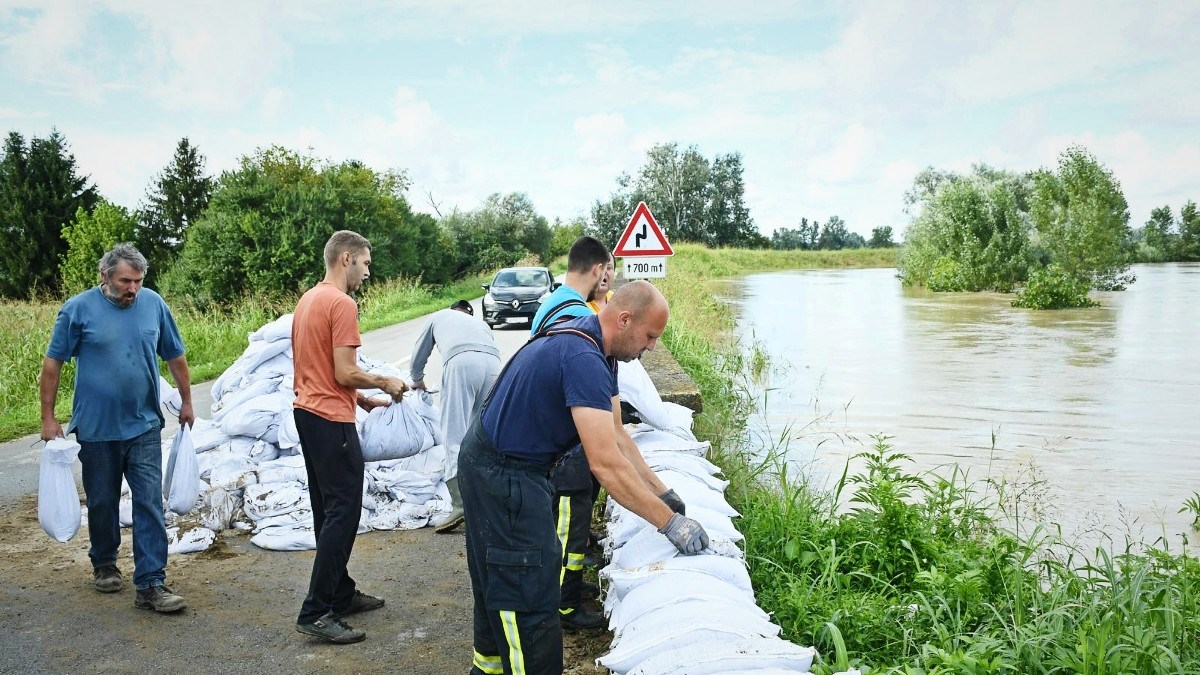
(515, 294)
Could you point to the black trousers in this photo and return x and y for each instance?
(334, 462)
(573, 501)
(513, 558)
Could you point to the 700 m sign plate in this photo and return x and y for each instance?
(645, 268)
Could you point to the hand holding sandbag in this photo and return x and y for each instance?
(671, 499)
(687, 535)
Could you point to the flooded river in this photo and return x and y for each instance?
(1099, 409)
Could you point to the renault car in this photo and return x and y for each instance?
(515, 294)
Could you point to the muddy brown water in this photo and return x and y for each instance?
(1094, 410)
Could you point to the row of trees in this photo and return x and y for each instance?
(831, 236)
(693, 198)
(1166, 238)
(1055, 234)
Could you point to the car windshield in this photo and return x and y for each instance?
(513, 278)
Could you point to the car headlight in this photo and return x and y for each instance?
(488, 300)
(544, 296)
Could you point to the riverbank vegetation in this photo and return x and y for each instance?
(896, 571)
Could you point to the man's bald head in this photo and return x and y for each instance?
(633, 320)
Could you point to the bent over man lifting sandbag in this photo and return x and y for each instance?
(535, 414)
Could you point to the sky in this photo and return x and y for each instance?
(834, 107)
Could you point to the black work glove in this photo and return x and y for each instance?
(687, 535)
(672, 500)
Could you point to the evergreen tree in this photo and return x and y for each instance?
(176, 199)
(40, 192)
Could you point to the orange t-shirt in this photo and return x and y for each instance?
(325, 318)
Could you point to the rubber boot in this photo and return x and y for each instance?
(452, 521)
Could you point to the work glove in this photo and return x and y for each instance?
(687, 535)
(672, 500)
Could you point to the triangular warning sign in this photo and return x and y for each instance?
(642, 236)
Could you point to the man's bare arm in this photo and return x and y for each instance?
(613, 468)
(48, 389)
(183, 382)
(633, 453)
(348, 374)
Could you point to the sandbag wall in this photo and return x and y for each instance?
(686, 614)
(252, 472)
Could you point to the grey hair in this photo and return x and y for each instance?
(122, 252)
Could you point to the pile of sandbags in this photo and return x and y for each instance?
(686, 614)
(251, 470)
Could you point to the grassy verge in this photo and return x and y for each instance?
(921, 574)
(214, 339)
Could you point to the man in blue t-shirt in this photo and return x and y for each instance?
(116, 332)
(556, 392)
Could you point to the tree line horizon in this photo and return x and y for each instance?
(252, 229)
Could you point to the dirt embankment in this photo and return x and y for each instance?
(242, 604)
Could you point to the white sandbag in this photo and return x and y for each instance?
(301, 516)
(169, 397)
(395, 431)
(233, 472)
(692, 570)
(403, 485)
(125, 511)
(288, 436)
(235, 398)
(696, 493)
(680, 461)
(280, 474)
(645, 628)
(634, 650)
(189, 541)
(648, 547)
(395, 515)
(638, 390)
(217, 508)
(670, 476)
(279, 329)
(662, 591)
(58, 499)
(263, 501)
(181, 481)
(764, 656)
(235, 376)
(207, 436)
(286, 538)
(254, 416)
(264, 451)
(430, 464)
(649, 439)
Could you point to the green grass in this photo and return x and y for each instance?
(895, 571)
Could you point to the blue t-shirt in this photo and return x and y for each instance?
(529, 414)
(116, 375)
(561, 295)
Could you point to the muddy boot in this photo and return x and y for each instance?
(449, 523)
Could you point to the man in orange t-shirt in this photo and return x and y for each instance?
(325, 340)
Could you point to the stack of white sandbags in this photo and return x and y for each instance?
(252, 473)
(686, 614)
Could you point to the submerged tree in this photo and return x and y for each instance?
(1082, 220)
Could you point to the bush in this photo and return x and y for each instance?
(1054, 288)
(268, 222)
(88, 237)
